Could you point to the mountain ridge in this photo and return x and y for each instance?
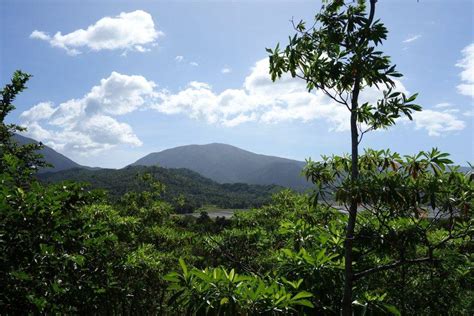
(219, 162)
(59, 161)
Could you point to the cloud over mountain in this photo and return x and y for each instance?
(86, 125)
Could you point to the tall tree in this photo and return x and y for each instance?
(26, 157)
(338, 55)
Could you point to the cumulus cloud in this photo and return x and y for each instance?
(179, 58)
(258, 100)
(437, 123)
(41, 111)
(129, 31)
(261, 100)
(40, 35)
(440, 119)
(467, 73)
(412, 38)
(194, 64)
(87, 125)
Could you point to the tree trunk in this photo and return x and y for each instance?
(348, 244)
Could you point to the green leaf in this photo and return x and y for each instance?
(183, 266)
(392, 309)
(305, 303)
(171, 277)
(301, 295)
(21, 275)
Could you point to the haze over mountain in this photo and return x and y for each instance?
(59, 161)
(229, 164)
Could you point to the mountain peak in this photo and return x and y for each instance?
(226, 163)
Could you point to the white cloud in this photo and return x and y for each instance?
(226, 70)
(264, 101)
(130, 31)
(40, 35)
(119, 94)
(86, 125)
(443, 105)
(259, 100)
(469, 113)
(180, 59)
(451, 111)
(39, 112)
(104, 129)
(412, 38)
(467, 74)
(437, 123)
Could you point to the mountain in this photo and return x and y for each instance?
(228, 164)
(59, 161)
(196, 189)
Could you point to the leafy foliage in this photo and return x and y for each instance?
(16, 159)
(220, 292)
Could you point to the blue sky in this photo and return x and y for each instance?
(143, 76)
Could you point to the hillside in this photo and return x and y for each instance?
(196, 189)
(59, 161)
(228, 164)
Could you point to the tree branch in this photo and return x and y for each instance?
(392, 265)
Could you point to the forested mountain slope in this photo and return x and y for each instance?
(182, 186)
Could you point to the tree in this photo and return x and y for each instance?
(23, 158)
(415, 221)
(338, 55)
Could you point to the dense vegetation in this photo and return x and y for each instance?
(409, 240)
(185, 190)
(66, 249)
